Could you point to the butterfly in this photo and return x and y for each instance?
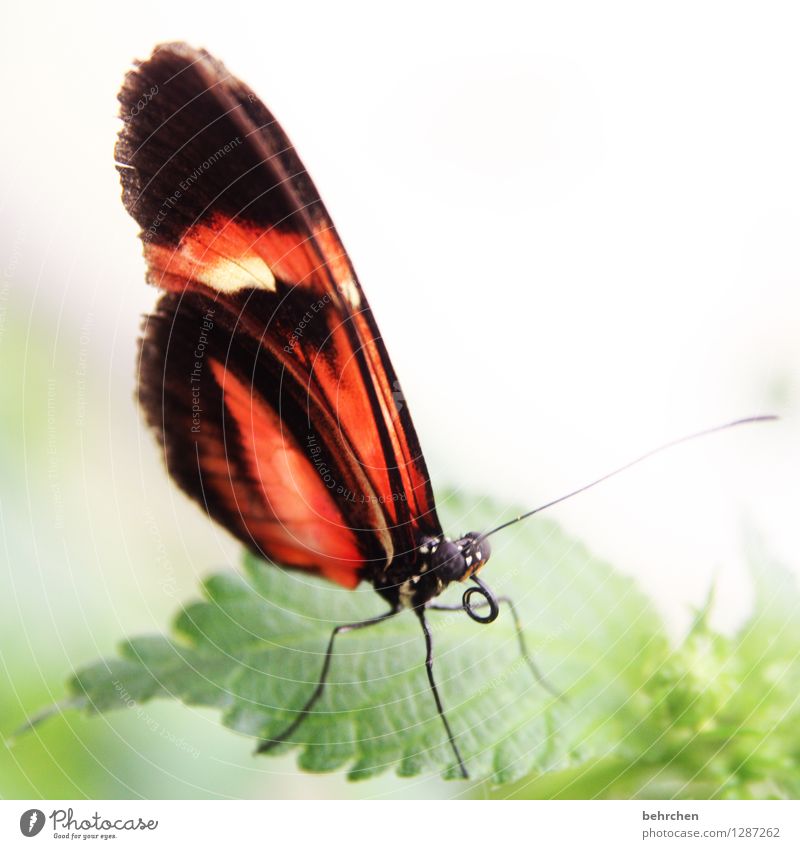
(262, 370)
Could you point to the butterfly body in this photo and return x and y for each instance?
(262, 370)
(439, 561)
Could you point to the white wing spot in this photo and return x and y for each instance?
(349, 289)
(231, 275)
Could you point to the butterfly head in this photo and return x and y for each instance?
(460, 559)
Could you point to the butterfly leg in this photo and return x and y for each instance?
(266, 745)
(420, 611)
(523, 645)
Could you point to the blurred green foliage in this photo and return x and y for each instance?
(717, 719)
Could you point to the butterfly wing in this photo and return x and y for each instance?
(262, 368)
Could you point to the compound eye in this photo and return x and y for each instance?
(448, 561)
(476, 552)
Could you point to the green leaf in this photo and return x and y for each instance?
(254, 647)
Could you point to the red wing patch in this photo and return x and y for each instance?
(304, 528)
(228, 256)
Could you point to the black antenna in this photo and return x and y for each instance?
(658, 450)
